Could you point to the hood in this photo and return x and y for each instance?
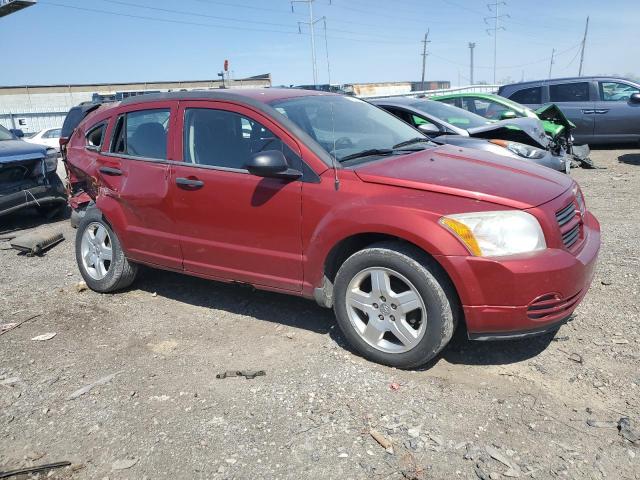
(18, 150)
(523, 130)
(552, 113)
(469, 173)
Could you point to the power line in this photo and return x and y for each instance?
(584, 43)
(425, 42)
(497, 27)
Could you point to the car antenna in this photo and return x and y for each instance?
(334, 161)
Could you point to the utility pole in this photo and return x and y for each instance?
(311, 24)
(495, 8)
(471, 47)
(424, 56)
(584, 42)
(553, 54)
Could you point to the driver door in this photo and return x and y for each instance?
(234, 225)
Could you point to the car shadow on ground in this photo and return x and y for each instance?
(29, 218)
(297, 312)
(630, 159)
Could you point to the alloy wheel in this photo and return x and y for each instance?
(96, 250)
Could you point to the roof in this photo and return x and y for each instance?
(263, 77)
(568, 79)
(262, 95)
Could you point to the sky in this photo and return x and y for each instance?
(79, 41)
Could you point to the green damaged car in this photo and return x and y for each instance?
(494, 107)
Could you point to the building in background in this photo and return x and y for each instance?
(379, 88)
(34, 108)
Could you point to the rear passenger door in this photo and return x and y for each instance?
(616, 118)
(134, 169)
(575, 99)
(234, 225)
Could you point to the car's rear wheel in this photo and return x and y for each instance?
(100, 257)
(395, 305)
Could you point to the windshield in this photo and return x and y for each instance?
(453, 115)
(348, 128)
(5, 134)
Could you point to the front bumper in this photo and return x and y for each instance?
(524, 295)
(34, 196)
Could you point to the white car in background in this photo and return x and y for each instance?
(49, 137)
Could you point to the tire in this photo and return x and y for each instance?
(115, 274)
(429, 290)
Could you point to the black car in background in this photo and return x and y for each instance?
(604, 109)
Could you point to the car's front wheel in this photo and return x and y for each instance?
(394, 305)
(99, 255)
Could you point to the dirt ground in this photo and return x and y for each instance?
(542, 408)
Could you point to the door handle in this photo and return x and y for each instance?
(189, 183)
(112, 172)
(588, 112)
(601, 112)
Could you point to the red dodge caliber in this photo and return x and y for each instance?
(329, 197)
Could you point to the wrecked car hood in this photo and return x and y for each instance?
(470, 173)
(552, 113)
(18, 150)
(523, 130)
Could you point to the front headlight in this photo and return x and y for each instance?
(580, 200)
(520, 149)
(51, 160)
(494, 234)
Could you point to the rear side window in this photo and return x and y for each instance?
(528, 95)
(95, 136)
(569, 92)
(55, 133)
(142, 134)
(225, 139)
(449, 101)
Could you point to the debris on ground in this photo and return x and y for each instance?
(394, 386)
(35, 243)
(36, 469)
(629, 431)
(81, 286)
(44, 337)
(7, 327)
(124, 464)
(91, 386)
(601, 424)
(514, 469)
(382, 440)
(248, 374)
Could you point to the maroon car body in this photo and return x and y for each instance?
(292, 235)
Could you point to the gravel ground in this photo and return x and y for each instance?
(543, 408)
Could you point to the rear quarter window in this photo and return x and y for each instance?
(531, 95)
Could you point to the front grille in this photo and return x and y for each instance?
(551, 306)
(570, 223)
(565, 214)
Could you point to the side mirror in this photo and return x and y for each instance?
(634, 98)
(17, 132)
(429, 128)
(271, 164)
(508, 115)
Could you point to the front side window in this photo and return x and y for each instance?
(616, 92)
(95, 136)
(569, 92)
(528, 96)
(453, 115)
(220, 138)
(142, 134)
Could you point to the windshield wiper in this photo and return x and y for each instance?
(406, 143)
(367, 153)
